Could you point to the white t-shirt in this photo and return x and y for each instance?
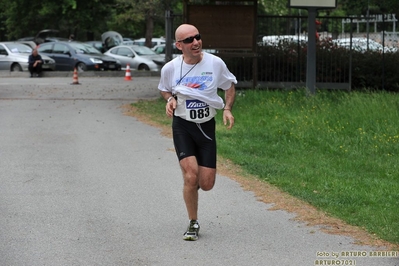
(196, 86)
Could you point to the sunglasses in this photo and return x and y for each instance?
(191, 39)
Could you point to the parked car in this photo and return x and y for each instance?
(31, 44)
(48, 35)
(160, 49)
(138, 57)
(98, 45)
(127, 42)
(154, 41)
(111, 39)
(70, 55)
(14, 56)
(360, 45)
(276, 40)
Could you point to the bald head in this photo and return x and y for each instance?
(185, 30)
(191, 48)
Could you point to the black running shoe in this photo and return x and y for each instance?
(192, 231)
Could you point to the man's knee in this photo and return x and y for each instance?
(190, 180)
(207, 186)
(207, 180)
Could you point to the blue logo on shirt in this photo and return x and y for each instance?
(196, 82)
(195, 104)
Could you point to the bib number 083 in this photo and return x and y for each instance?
(199, 113)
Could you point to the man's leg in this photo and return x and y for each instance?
(206, 177)
(38, 69)
(195, 177)
(30, 67)
(189, 169)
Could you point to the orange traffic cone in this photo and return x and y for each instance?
(128, 76)
(75, 77)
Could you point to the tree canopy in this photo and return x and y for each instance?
(87, 20)
(21, 18)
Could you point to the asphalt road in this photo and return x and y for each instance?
(83, 184)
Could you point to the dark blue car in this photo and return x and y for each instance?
(71, 55)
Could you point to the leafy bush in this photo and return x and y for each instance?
(286, 62)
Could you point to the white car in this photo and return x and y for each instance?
(160, 49)
(138, 57)
(14, 56)
(154, 41)
(360, 45)
(275, 40)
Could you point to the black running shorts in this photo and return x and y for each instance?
(193, 139)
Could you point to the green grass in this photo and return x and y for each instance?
(336, 150)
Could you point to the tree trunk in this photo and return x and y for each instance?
(149, 20)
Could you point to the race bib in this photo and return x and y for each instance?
(194, 110)
(198, 111)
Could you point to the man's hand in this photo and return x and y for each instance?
(37, 62)
(170, 103)
(228, 118)
(170, 107)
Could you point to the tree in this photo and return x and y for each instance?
(86, 17)
(144, 13)
(360, 7)
(273, 7)
(68, 16)
(20, 20)
(388, 6)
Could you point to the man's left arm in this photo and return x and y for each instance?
(228, 118)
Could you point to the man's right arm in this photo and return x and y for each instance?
(166, 95)
(170, 102)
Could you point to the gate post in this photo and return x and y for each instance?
(168, 35)
(311, 53)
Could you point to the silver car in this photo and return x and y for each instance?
(138, 57)
(14, 56)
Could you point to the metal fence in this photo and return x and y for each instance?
(279, 60)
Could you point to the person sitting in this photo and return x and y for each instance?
(35, 63)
